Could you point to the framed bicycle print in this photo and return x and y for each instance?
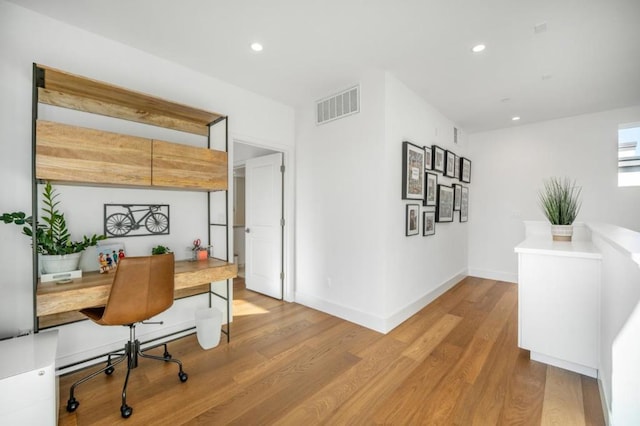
(412, 172)
(133, 220)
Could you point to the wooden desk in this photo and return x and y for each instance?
(55, 300)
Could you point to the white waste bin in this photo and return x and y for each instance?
(208, 326)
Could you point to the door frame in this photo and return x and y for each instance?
(288, 196)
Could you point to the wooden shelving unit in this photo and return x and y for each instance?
(66, 154)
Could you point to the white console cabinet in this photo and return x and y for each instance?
(559, 303)
(28, 383)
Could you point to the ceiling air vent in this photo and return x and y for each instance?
(338, 106)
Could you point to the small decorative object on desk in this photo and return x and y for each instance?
(560, 202)
(199, 251)
(160, 250)
(108, 256)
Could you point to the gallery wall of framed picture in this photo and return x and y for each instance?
(444, 198)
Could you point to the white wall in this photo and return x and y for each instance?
(509, 166)
(26, 37)
(417, 268)
(339, 208)
(353, 259)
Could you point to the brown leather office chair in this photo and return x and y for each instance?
(142, 288)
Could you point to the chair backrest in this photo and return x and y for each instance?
(142, 288)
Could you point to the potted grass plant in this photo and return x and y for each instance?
(58, 253)
(560, 202)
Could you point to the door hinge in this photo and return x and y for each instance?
(282, 168)
(282, 276)
(282, 222)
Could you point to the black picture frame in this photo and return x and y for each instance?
(428, 223)
(431, 190)
(428, 158)
(464, 204)
(135, 220)
(438, 159)
(444, 208)
(450, 164)
(457, 168)
(465, 170)
(457, 195)
(412, 225)
(412, 172)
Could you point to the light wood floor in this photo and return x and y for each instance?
(455, 362)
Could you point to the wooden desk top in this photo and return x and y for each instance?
(93, 288)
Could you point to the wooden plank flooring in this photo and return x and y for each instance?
(456, 362)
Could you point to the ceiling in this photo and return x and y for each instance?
(587, 60)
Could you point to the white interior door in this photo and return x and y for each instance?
(263, 227)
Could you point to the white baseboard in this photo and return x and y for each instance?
(494, 275)
(606, 411)
(373, 322)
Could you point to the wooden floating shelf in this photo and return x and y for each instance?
(71, 91)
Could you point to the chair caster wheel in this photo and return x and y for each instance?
(183, 376)
(126, 411)
(72, 405)
(109, 371)
(166, 355)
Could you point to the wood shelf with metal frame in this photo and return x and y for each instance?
(65, 154)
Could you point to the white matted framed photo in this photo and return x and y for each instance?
(431, 196)
(428, 158)
(457, 193)
(412, 220)
(428, 223)
(438, 158)
(412, 172)
(450, 169)
(465, 170)
(464, 204)
(457, 168)
(444, 207)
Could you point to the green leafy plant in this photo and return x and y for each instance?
(560, 200)
(52, 236)
(160, 250)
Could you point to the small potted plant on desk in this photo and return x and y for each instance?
(58, 253)
(199, 251)
(560, 201)
(159, 249)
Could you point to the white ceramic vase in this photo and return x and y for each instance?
(561, 232)
(56, 263)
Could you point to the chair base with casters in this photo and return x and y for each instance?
(142, 288)
(131, 352)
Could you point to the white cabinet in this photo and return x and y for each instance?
(28, 383)
(559, 303)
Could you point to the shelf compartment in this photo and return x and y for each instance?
(182, 166)
(71, 91)
(67, 153)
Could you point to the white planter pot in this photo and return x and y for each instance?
(561, 232)
(54, 264)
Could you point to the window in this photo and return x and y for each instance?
(629, 154)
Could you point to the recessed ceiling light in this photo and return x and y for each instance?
(516, 118)
(256, 47)
(478, 48)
